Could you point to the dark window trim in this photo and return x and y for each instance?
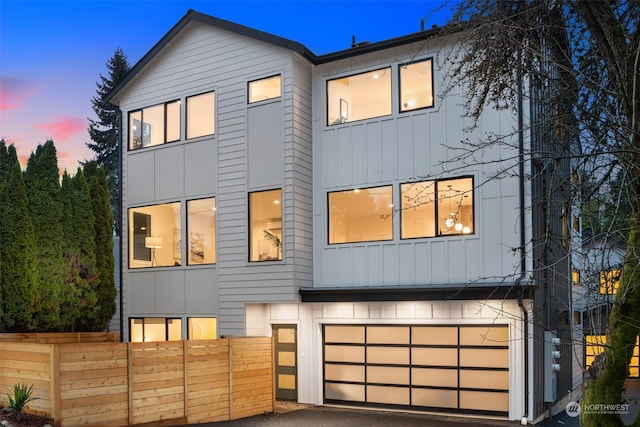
(129, 229)
(433, 96)
(249, 102)
(166, 325)
(164, 123)
(249, 224)
(186, 115)
(187, 233)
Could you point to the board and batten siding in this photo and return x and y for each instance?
(401, 147)
(203, 58)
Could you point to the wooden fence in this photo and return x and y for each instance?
(120, 384)
(61, 337)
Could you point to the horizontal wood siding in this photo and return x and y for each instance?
(119, 384)
(401, 147)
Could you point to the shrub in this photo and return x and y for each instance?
(21, 397)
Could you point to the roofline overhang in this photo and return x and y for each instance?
(492, 291)
(192, 15)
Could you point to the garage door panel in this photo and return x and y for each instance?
(484, 400)
(344, 334)
(485, 358)
(388, 335)
(344, 353)
(485, 336)
(434, 335)
(350, 392)
(387, 375)
(434, 377)
(388, 395)
(434, 356)
(348, 373)
(498, 380)
(434, 398)
(388, 355)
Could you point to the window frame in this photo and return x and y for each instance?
(165, 105)
(250, 102)
(166, 327)
(186, 115)
(337, 121)
(436, 184)
(401, 109)
(250, 247)
(131, 211)
(188, 232)
(328, 210)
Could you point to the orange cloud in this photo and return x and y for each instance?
(13, 92)
(63, 127)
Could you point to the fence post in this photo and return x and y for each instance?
(54, 385)
(230, 378)
(185, 369)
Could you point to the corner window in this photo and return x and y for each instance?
(436, 208)
(202, 328)
(263, 89)
(265, 225)
(361, 215)
(416, 85)
(200, 115)
(609, 282)
(358, 97)
(154, 236)
(148, 329)
(154, 125)
(201, 226)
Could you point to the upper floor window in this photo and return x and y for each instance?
(609, 282)
(263, 89)
(436, 208)
(201, 115)
(358, 97)
(416, 85)
(154, 125)
(361, 215)
(201, 226)
(154, 236)
(265, 225)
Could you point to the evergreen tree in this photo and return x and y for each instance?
(43, 193)
(5, 165)
(18, 263)
(105, 131)
(103, 226)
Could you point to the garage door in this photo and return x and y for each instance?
(457, 368)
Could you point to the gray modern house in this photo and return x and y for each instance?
(319, 199)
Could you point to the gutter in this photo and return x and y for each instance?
(120, 293)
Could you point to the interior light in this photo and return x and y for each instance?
(276, 202)
(449, 222)
(458, 227)
(356, 190)
(376, 76)
(466, 230)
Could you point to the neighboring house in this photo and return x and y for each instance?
(270, 191)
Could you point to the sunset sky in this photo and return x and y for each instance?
(53, 52)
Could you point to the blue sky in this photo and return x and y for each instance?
(53, 52)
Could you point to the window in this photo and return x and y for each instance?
(361, 215)
(154, 236)
(453, 208)
(416, 85)
(575, 277)
(609, 282)
(201, 226)
(202, 328)
(154, 125)
(200, 115)
(265, 225)
(359, 97)
(149, 329)
(263, 89)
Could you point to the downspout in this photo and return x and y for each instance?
(120, 294)
(523, 267)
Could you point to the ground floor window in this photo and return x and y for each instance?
(147, 329)
(202, 328)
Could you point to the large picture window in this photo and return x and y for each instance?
(265, 225)
(263, 89)
(202, 328)
(358, 97)
(201, 115)
(201, 226)
(425, 215)
(155, 236)
(416, 85)
(361, 215)
(154, 125)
